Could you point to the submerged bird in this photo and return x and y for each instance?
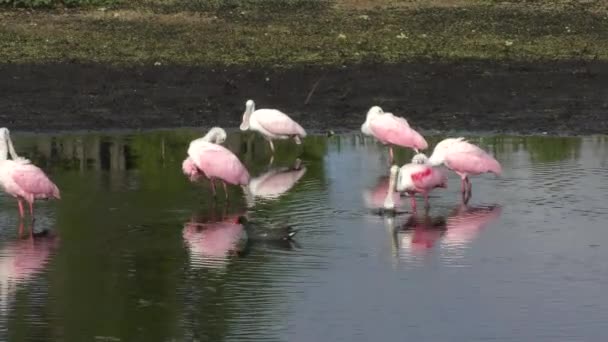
(392, 130)
(206, 157)
(462, 157)
(412, 179)
(22, 179)
(272, 124)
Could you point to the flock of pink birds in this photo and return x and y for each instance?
(207, 158)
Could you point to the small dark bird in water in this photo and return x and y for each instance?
(330, 133)
(256, 232)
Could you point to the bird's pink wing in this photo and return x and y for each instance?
(475, 162)
(278, 123)
(219, 162)
(396, 130)
(428, 178)
(32, 180)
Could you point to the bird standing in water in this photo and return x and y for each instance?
(207, 157)
(22, 179)
(462, 157)
(272, 124)
(412, 179)
(392, 130)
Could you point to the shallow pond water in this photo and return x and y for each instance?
(136, 252)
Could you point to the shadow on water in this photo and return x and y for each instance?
(147, 255)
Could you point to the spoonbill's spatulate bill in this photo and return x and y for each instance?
(272, 124)
(392, 130)
(462, 157)
(207, 157)
(22, 179)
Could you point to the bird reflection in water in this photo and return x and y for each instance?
(421, 232)
(213, 240)
(23, 258)
(274, 183)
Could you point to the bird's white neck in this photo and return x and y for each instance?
(214, 135)
(249, 109)
(6, 145)
(389, 204)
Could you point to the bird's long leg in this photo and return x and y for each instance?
(390, 155)
(213, 187)
(470, 186)
(427, 205)
(271, 145)
(413, 202)
(20, 228)
(21, 214)
(463, 185)
(225, 190)
(32, 211)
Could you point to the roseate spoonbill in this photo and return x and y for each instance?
(275, 182)
(392, 130)
(462, 157)
(414, 178)
(207, 157)
(272, 124)
(22, 179)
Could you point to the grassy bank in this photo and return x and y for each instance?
(295, 32)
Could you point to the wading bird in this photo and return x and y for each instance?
(272, 124)
(22, 179)
(462, 157)
(412, 179)
(392, 130)
(206, 157)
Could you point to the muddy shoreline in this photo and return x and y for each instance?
(565, 97)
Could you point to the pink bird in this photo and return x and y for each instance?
(275, 182)
(206, 157)
(463, 158)
(272, 124)
(414, 178)
(22, 179)
(393, 130)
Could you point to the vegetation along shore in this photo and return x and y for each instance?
(526, 67)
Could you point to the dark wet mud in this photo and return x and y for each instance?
(566, 97)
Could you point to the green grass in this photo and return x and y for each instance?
(296, 32)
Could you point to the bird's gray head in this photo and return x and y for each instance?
(420, 158)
